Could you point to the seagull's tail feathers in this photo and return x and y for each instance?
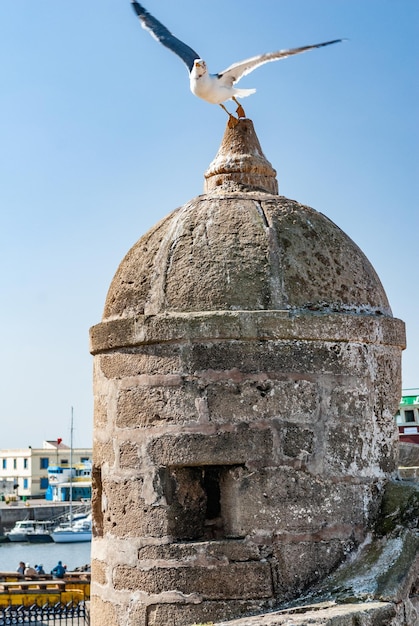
(242, 93)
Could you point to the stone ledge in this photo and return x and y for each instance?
(377, 613)
(246, 326)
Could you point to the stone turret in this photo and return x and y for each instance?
(246, 374)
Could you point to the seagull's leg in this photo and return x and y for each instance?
(232, 121)
(240, 111)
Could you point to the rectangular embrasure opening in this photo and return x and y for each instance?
(196, 501)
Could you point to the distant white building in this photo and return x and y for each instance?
(24, 471)
(407, 417)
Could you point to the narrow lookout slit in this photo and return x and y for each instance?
(211, 486)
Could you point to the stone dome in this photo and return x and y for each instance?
(246, 375)
(241, 246)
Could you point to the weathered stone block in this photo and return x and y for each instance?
(187, 614)
(127, 514)
(311, 503)
(296, 566)
(100, 412)
(283, 357)
(297, 441)
(348, 449)
(223, 281)
(103, 612)
(360, 449)
(351, 402)
(129, 455)
(98, 570)
(198, 552)
(155, 359)
(231, 581)
(239, 398)
(387, 382)
(148, 405)
(103, 452)
(221, 448)
(137, 615)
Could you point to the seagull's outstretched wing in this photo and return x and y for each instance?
(162, 34)
(233, 73)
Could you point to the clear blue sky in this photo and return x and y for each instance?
(101, 138)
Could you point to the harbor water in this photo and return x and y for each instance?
(71, 554)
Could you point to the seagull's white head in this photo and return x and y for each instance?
(199, 68)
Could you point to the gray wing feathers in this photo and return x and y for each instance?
(164, 36)
(233, 73)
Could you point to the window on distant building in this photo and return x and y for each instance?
(25, 463)
(25, 483)
(43, 483)
(84, 459)
(64, 461)
(43, 462)
(14, 463)
(409, 415)
(4, 463)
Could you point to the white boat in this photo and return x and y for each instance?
(73, 531)
(25, 530)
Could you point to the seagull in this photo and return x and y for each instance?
(215, 88)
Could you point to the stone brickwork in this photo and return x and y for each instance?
(246, 374)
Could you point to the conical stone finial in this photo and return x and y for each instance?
(240, 163)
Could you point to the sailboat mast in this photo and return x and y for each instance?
(71, 468)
